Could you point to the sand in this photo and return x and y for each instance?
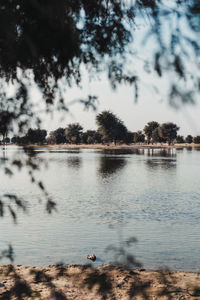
(85, 282)
(123, 146)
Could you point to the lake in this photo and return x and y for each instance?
(105, 197)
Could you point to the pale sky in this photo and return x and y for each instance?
(149, 107)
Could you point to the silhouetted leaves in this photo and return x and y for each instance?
(11, 198)
(157, 64)
(7, 253)
(122, 257)
(50, 206)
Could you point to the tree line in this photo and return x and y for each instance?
(110, 130)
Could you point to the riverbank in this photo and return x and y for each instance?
(123, 146)
(86, 283)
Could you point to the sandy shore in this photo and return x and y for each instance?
(124, 146)
(84, 283)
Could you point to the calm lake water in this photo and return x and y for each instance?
(104, 198)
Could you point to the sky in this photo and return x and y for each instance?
(149, 107)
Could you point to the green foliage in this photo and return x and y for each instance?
(36, 136)
(44, 43)
(7, 140)
(138, 137)
(91, 137)
(22, 140)
(196, 139)
(33, 136)
(149, 128)
(73, 133)
(57, 136)
(129, 137)
(14, 140)
(168, 131)
(3, 124)
(180, 139)
(111, 127)
(189, 139)
(51, 139)
(47, 42)
(156, 136)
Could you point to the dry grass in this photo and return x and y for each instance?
(123, 146)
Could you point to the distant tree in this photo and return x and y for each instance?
(36, 136)
(138, 137)
(189, 139)
(97, 137)
(149, 128)
(84, 137)
(51, 139)
(120, 132)
(168, 131)
(7, 140)
(57, 136)
(33, 136)
(196, 139)
(180, 139)
(88, 137)
(14, 140)
(73, 133)
(156, 136)
(91, 137)
(3, 130)
(111, 127)
(22, 140)
(129, 137)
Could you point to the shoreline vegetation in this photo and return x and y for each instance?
(85, 283)
(110, 131)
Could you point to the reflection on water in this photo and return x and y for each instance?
(162, 158)
(74, 162)
(68, 151)
(123, 151)
(161, 152)
(109, 165)
(161, 163)
(3, 154)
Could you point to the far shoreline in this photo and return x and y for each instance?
(115, 147)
